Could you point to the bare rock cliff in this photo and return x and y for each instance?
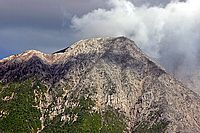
(97, 85)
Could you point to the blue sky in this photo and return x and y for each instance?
(5, 53)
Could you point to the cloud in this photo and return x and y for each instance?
(167, 30)
(21, 39)
(42, 24)
(48, 14)
(39, 24)
(150, 2)
(171, 34)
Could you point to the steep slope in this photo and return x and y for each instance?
(96, 85)
(191, 80)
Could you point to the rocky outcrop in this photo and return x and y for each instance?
(108, 80)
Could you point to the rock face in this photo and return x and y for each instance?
(96, 85)
(191, 80)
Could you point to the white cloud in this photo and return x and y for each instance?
(174, 28)
(171, 34)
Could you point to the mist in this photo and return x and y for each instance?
(170, 34)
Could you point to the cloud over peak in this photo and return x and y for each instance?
(169, 33)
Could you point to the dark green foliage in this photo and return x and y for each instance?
(159, 127)
(112, 122)
(87, 121)
(153, 125)
(21, 115)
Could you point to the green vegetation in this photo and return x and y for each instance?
(86, 121)
(158, 126)
(18, 113)
(113, 122)
(17, 101)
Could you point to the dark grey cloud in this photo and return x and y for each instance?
(151, 2)
(26, 38)
(160, 3)
(40, 14)
(43, 24)
(40, 24)
(30, 13)
(50, 14)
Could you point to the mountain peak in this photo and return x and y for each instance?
(99, 84)
(23, 56)
(95, 42)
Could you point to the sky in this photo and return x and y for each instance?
(45, 25)
(166, 30)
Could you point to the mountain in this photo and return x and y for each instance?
(190, 80)
(95, 85)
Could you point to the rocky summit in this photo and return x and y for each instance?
(95, 85)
